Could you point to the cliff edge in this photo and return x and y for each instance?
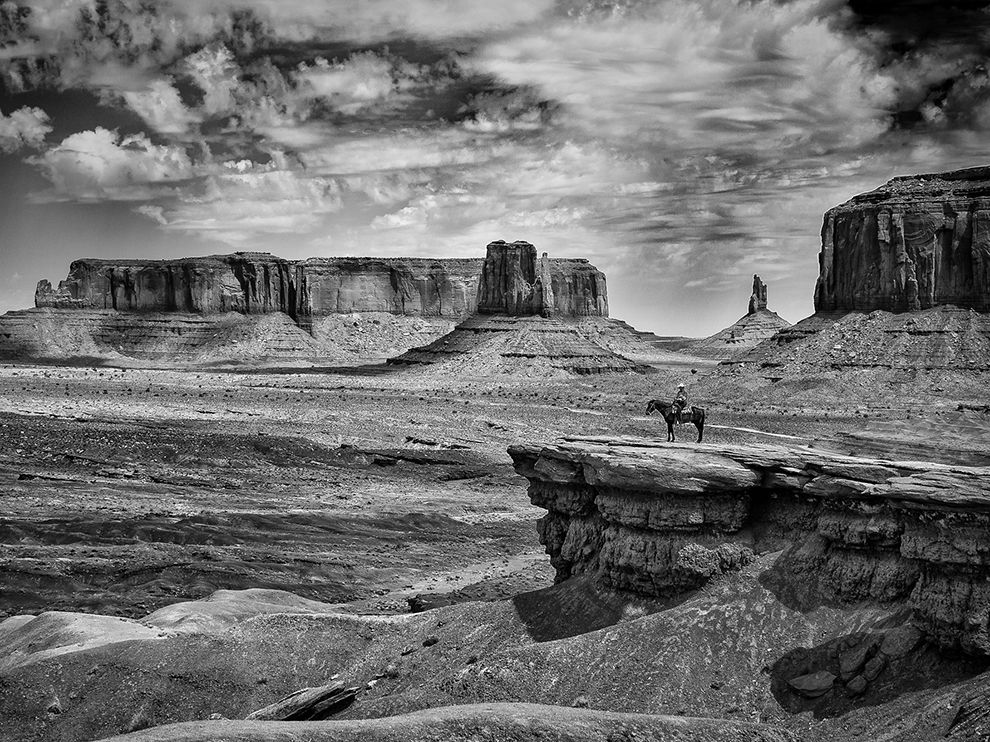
(914, 243)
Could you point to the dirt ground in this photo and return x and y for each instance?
(125, 490)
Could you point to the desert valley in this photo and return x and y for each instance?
(432, 488)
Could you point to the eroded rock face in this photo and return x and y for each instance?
(513, 281)
(258, 283)
(917, 242)
(758, 299)
(517, 283)
(659, 519)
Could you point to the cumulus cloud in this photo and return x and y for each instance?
(161, 108)
(668, 140)
(360, 82)
(241, 201)
(100, 164)
(23, 128)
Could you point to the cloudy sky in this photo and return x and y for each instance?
(681, 145)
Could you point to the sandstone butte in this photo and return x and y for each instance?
(916, 242)
(658, 520)
(758, 324)
(259, 283)
(526, 322)
(904, 281)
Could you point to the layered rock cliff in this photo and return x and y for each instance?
(515, 282)
(660, 519)
(917, 242)
(258, 283)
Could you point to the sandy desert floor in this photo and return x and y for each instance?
(370, 489)
(129, 489)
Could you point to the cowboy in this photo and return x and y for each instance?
(680, 402)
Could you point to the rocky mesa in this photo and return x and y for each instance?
(259, 283)
(916, 242)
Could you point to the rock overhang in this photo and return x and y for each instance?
(660, 519)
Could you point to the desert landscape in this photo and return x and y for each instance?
(295, 447)
(488, 535)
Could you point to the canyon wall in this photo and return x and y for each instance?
(917, 242)
(661, 519)
(258, 283)
(513, 281)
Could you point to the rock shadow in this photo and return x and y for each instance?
(865, 669)
(578, 606)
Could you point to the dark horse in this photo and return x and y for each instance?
(696, 416)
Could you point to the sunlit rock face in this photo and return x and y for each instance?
(917, 242)
(515, 282)
(259, 283)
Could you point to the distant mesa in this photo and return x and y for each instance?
(515, 282)
(757, 325)
(259, 283)
(256, 306)
(529, 320)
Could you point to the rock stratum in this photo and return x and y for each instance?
(916, 242)
(531, 320)
(661, 519)
(515, 282)
(259, 283)
(251, 306)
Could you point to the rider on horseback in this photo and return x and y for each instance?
(680, 402)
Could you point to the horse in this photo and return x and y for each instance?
(666, 410)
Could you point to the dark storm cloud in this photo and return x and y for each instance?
(681, 145)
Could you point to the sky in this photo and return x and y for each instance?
(680, 145)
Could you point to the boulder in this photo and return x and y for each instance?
(813, 685)
(898, 642)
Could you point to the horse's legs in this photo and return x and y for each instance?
(670, 432)
(700, 425)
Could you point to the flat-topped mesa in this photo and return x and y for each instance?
(259, 283)
(917, 242)
(659, 519)
(515, 282)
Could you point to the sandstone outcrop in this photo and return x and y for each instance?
(914, 243)
(258, 305)
(659, 519)
(259, 283)
(757, 325)
(758, 299)
(529, 320)
(515, 282)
